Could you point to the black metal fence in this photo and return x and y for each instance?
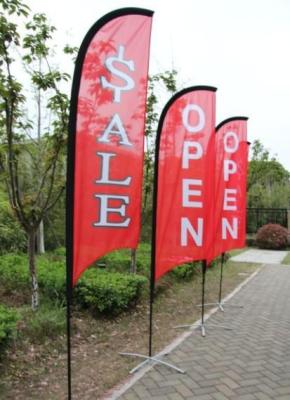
(257, 217)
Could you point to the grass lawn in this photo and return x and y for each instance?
(287, 259)
(235, 252)
(35, 368)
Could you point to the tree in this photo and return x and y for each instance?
(31, 152)
(268, 181)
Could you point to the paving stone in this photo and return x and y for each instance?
(230, 383)
(175, 396)
(262, 396)
(219, 396)
(183, 390)
(284, 390)
(251, 362)
(246, 397)
(162, 391)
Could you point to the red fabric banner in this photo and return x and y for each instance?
(230, 185)
(185, 148)
(109, 92)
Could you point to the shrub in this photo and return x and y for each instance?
(14, 275)
(51, 278)
(14, 272)
(108, 292)
(120, 260)
(272, 236)
(102, 290)
(60, 252)
(186, 271)
(8, 320)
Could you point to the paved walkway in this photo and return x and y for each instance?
(261, 256)
(250, 362)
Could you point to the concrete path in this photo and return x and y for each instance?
(250, 362)
(261, 256)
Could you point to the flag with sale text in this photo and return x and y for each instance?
(230, 185)
(185, 155)
(107, 136)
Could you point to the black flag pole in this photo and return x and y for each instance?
(203, 304)
(202, 327)
(220, 304)
(150, 357)
(69, 246)
(68, 321)
(153, 233)
(201, 322)
(69, 225)
(152, 289)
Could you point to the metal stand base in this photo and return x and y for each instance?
(154, 360)
(220, 305)
(202, 327)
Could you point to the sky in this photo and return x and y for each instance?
(242, 47)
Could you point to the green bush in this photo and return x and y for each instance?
(8, 320)
(102, 290)
(185, 271)
(144, 258)
(272, 236)
(120, 260)
(52, 278)
(59, 252)
(14, 272)
(14, 275)
(108, 292)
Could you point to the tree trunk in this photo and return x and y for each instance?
(133, 267)
(40, 239)
(40, 232)
(32, 270)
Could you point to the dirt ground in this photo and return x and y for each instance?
(39, 371)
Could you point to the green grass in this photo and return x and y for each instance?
(47, 322)
(235, 252)
(287, 259)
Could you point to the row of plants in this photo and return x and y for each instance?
(8, 321)
(101, 290)
(105, 289)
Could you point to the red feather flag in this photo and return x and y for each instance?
(106, 137)
(185, 167)
(230, 185)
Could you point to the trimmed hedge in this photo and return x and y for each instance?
(109, 293)
(272, 236)
(186, 271)
(8, 320)
(101, 290)
(120, 260)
